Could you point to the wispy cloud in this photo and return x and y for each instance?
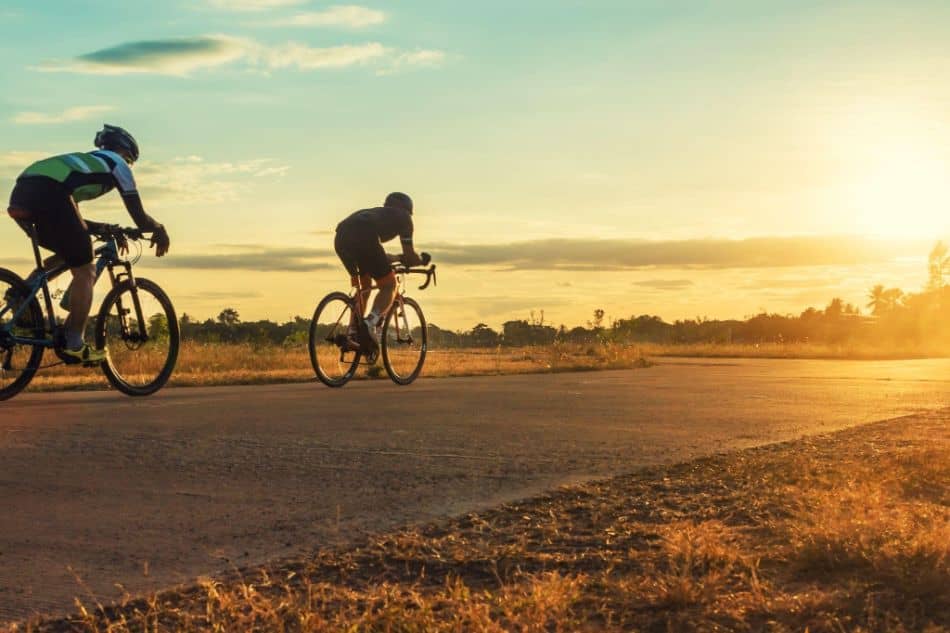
(665, 284)
(346, 16)
(305, 57)
(606, 255)
(184, 56)
(14, 162)
(413, 59)
(255, 258)
(191, 179)
(176, 56)
(253, 5)
(77, 113)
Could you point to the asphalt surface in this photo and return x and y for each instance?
(98, 489)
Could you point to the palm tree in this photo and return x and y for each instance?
(877, 301)
(938, 263)
(884, 300)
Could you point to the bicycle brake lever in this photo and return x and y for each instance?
(430, 278)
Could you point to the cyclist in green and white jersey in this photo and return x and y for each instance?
(47, 194)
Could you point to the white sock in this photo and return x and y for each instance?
(373, 319)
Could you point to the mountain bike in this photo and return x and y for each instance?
(136, 321)
(335, 355)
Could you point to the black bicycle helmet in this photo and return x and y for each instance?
(112, 137)
(398, 200)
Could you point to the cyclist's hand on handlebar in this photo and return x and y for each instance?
(160, 241)
(121, 241)
(426, 258)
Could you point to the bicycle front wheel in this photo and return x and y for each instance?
(331, 354)
(18, 362)
(404, 341)
(139, 326)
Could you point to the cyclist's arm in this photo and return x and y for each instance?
(125, 183)
(409, 256)
(95, 227)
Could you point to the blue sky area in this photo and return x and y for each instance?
(712, 158)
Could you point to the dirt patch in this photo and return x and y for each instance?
(845, 531)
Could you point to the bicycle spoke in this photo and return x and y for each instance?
(332, 354)
(142, 337)
(20, 316)
(404, 341)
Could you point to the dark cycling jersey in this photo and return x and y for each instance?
(384, 223)
(89, 175)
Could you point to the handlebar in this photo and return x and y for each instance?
(118, 232)
(429, 272)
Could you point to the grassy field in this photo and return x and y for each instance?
(842, 532)
(224, 364)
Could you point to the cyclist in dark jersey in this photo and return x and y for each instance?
(46, 196)
(359, 243)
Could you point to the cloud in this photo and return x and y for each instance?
(413, 59)
(665, 284)
(78, 113)
(305, 57)
(613, 255)
(13, 163)
(184, 56)
(175, 56)
(253, 5)
(218, 295)
(191, 179)
(348, 16)
(255, 258)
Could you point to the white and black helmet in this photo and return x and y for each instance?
(112, 137)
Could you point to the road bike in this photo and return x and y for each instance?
(136, 321)
(336, 356)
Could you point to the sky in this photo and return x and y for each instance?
(670, 157)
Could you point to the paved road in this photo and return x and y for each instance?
(152, 492)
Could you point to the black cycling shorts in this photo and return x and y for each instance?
(59, 227)
(360, 251)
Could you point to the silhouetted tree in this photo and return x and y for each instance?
(938, 266)
(229, 317)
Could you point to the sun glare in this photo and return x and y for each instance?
(906, 194)
(898, 180)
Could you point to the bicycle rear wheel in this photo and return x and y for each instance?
(404, 341)
(142, 353)
(333, 360)
(18, 362)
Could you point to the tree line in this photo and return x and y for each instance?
(890, 316)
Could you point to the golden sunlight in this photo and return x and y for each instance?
(905, 193)
(897, 174)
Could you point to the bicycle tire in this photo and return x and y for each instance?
(167, 365)
(35, 321)
(404, 374)
(324, 343)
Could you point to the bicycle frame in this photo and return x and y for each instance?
(107, 255)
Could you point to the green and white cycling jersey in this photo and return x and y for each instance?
(87, 175)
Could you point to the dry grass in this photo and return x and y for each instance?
(225, 364)
(222, 364)
(846, 532)
(844, 351)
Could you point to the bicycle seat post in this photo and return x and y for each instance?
(31, 231)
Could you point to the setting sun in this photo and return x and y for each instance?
(905, 193)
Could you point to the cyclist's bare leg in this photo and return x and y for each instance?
(363, 286)
(384, 298)
(80, 303)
